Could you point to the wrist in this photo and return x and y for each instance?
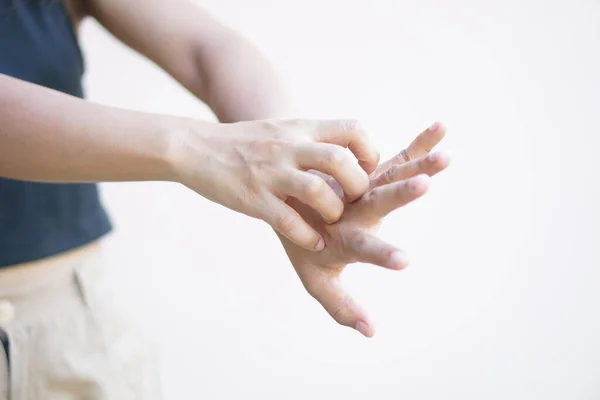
(187, 143)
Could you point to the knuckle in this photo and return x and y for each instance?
(349, 125)
(300, 123)
(285, 223)
(340, 310)
(296, 122)
(389, 175)
(336, 157)
(371, 197)
(269, 126)
(255, 212)
(285, 131)
(407, 187)
(359, 242)
(425, 163)
(312, 288)
(305, 130)
(404, 156)
(313, 187)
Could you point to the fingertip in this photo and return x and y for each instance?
(365, 328)
(436, 132)
(419, 184)
(437, 126)
(331, 219)
(332, 212)
(440, 159)
(371, 161)
(446, 157)
(398, 260)
(359, 189)
(441, 127)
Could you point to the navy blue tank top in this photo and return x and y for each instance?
(37, 220)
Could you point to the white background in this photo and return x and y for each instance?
(502, 299)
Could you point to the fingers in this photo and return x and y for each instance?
(367, 248)
(430, 165)
(313, 191)
(290, 224)
(419, 147)
(349, 133)
(384, 199)
(337, 162)
(341, 306)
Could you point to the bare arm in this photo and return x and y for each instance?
(236, 81)
(211, 60)
(250, 167)
(49, 136)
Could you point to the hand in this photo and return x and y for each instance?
(394, 183)
(253, 167)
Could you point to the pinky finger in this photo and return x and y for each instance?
(290, 224)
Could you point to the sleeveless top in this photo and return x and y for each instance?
(37, 220)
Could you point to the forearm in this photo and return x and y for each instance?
(49, 136)
(240, 83)
(211, 60)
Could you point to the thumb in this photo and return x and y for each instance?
(341, 306)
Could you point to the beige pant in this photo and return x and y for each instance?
(66, 339)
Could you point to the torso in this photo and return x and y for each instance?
(18, 275)
(43, 222)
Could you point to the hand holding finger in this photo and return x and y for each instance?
(337, 162)
(349, 133)
(384, 199)
(313, 191)
(419, 147)
(430, 165)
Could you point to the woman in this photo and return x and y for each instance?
(60, 336)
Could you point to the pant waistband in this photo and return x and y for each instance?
(25, 277)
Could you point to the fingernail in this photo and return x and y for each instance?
(321, 245)
(329, 221)
(398, 260)
(364, 328)
(434, 126)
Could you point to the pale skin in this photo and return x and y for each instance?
(295, 174)
(395, 183)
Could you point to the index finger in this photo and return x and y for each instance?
(419, 147)
(349, 133)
